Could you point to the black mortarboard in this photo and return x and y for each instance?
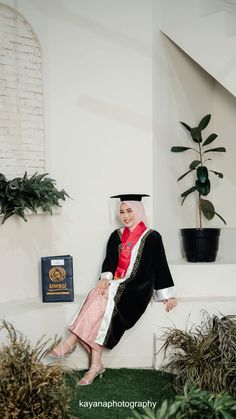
(130, 197)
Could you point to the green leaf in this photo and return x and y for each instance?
(162, 411)
(218, 215)
(196, 135)
(2, 178)
(190, 190)
(33, 176)
(186, 126)
(137, 415)
(6, 216)
(194, 164)
(203, 188)
(39, 177)
(210, 139)
(217, 173)
(20, 213)
(202, 174)
(178, 149)
(181, 177)
(207, 208)
(220, 149)
(148, 414)
(183, 199)
(63, 192)
(14, 184)
(204, 122)
(226, 415)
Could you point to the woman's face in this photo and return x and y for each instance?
(127, 216)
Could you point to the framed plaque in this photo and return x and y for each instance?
(57, 279)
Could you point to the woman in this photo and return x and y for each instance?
(135, 269)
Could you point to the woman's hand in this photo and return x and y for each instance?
(102, 285)
(170, 303)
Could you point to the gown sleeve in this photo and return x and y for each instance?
(111, 259)
(163, 284)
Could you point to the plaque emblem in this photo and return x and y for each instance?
(57, 274)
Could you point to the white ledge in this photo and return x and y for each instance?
(218, 261)
(55, 210)
(40, 211)
(36, 302)
(203, 299)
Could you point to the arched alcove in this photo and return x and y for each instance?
(21, 94)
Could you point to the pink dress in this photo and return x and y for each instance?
(89, 318)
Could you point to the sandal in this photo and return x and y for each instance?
(98, 372)
(59, 352)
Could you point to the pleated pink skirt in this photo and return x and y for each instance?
(88, 321)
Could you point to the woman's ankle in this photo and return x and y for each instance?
(71, 339)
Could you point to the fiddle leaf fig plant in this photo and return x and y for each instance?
(202, 184)
(21, 193)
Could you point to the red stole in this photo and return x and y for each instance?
(129, 239)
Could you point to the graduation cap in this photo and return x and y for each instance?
(130, 197)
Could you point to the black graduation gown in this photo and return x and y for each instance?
(150, 272)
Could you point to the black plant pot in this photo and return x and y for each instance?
(200, 245)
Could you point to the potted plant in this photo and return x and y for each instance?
(200, 244)
(28, 193)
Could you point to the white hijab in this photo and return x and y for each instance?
(138, 209)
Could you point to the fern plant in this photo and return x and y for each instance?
(21, 193)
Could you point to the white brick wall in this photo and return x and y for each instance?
(21, 106)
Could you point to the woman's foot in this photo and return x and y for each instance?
(91, 374)
(63, 349)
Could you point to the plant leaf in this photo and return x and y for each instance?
(181, 177)
(162, 411)
(196, 135)
(207, 208)
(203, 188)
(178, 149)
(202, 174)
(6, 216)
(210, 139)
(190, 190)
(218, 215)
(194, 164)
(221, 149)
(186, 126)
(204, 122)
(217, 173)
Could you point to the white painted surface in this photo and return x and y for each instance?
(97, 66)
(206, 31)
(199, 289)
(183, 91)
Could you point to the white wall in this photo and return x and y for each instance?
(97, 67)
(183, 91)
(206, 31)
(97, 64)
